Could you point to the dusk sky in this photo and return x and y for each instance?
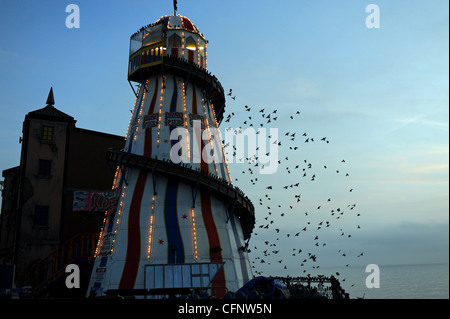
(379, 96)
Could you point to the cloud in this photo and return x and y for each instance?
(420, 120)
(407, 243)
(395, 244)
(400, 180)
(425, 169)
(415, 121)
(408, 163)
(438, 150)
(301, 88)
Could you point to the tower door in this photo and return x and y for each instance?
(190, 56)
(174, 53)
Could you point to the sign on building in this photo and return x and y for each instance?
(96, 201)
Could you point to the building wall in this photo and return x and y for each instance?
(10, 194)
(77, 162)
(38, 238)
(87, 169)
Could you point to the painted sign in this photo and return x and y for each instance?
(150, 120)
(174, 119)
(96, 201)
(196, 117)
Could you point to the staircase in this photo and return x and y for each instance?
(42, 275)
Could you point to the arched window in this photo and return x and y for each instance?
(191, 47)
(190, 44)
(174, 44)
(175, 41)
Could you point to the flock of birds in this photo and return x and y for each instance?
(290, 230)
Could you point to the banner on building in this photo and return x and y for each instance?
(96, 201)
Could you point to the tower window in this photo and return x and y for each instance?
(47, 133)
(175, 41)
(190, 44)
(41, 215)
(45, 167)
(191, 47)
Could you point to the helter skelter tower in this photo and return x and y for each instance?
(177, 226)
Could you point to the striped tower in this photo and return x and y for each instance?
(177, 225)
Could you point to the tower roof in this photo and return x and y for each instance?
(173, 22)
(178, 22)
(50, 112)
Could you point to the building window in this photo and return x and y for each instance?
(45, 167)
(47, 133)
(41, 215)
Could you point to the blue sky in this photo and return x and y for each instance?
(380, 96)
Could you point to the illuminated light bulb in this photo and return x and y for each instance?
(160, 113)
(150, 237)
(194, 233)
(150, 232)
(98, 243)
(115, 176)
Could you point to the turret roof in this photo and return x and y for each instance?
(49, 111)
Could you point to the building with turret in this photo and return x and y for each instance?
(39, 231)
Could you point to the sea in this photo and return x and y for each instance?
(428, 281)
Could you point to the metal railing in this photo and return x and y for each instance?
(44, 272)
(328, 287)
